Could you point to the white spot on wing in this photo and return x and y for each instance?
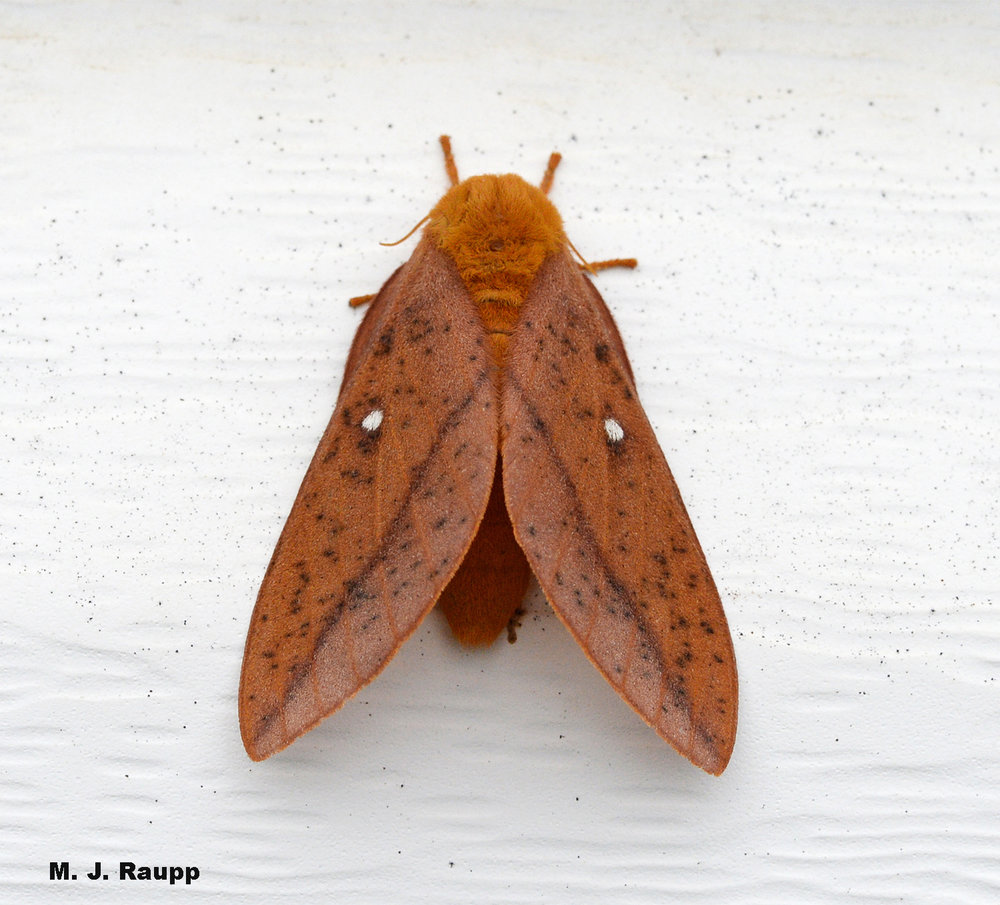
(373, 420)
(615, 432)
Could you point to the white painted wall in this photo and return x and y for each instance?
(189, 192)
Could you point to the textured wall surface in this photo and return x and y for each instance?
(189, 193)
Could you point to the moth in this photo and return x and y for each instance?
(487, 430)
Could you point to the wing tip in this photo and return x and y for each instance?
(707, 742)
(254, 753)
(707, 747)
(262, 742)
(710, 758)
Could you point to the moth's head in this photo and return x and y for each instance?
(486, 222)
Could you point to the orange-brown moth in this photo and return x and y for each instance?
(488, 429)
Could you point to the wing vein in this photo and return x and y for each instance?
(588, 538)
(340, 608)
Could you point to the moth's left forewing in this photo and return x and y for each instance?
(387, 509)
(371, 331)
(601, 521)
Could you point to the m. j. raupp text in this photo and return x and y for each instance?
(129, 870)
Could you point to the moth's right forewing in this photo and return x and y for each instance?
(602, 524)
(386, 511)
